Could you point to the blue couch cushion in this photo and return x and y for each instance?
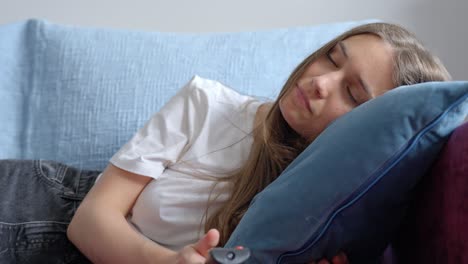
(349, 190)
(76, 94)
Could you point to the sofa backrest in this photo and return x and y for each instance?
(76, 94)
(436, 228)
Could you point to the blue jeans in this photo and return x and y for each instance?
(37, 201)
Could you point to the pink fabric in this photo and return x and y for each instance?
(436, 230)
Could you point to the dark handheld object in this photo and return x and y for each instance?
(237, 255)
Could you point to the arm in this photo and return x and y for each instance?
(100, 230)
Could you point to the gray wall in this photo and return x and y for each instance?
(441, 25)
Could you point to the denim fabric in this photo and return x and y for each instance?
(37, 201)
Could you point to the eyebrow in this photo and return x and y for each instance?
(361, 82)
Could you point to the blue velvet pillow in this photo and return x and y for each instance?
(349, 189)
(76, 94)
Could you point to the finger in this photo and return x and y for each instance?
(207, 242)
(324, 261)
(340, 259)
(343, 257)
(337, 260)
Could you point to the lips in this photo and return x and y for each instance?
(302, 98)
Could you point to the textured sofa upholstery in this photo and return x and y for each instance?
(76, 94)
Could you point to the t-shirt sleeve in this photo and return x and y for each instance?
(167, 135)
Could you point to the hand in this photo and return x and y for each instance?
(338, 259)
(198, 253)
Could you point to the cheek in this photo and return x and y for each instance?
(337, 112)
(285, 102)
(290, 114)
(285, 108)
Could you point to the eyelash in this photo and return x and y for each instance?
(351, 96)
(331, 59)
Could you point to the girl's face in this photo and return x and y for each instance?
(355, 70)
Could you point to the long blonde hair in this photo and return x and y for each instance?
(275, 144)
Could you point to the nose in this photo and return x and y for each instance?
(323, 85)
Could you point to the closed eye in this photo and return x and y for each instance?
(353, 100)
(331, 59)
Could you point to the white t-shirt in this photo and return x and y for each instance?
(203, 132)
